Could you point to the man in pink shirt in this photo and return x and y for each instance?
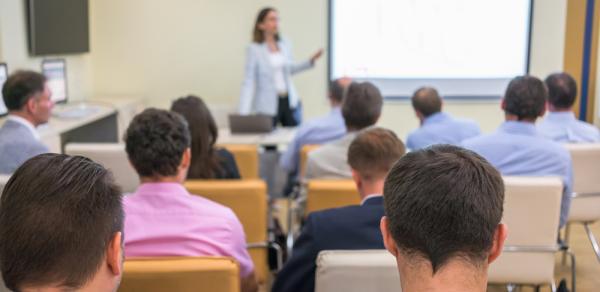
(162, 218)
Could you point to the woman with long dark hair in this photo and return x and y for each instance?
(207, 162)
(267, 87)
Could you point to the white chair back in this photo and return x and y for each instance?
(356, 271)
(585, 206)
(113, 157)
(531, 212)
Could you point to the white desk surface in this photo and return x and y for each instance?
(280, 136)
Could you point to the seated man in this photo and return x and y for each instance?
(443, 207)
(560, 124)
(517, 148)
(437, 127)
(27, 98)
(162, 218)
(361, 109)
(61, 221)
(371, 155)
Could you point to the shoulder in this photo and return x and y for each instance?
(475, 142)
(224, 153)
(212, 208)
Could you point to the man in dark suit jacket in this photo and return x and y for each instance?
(371, 155)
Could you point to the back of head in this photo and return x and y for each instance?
(525, 98)
(20, 87)
(362, 105)
(562, 90)
(203, 131)
(427, 101)
(58, 215)
(443, 203)
(374, 151)
(155, 142)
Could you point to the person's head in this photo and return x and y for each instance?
(371, 155)
(525, 99)
(26, 94)
(362, 106)
(426, 101)
(61, 220)
(337, 90)
(443, 206)
(562, 91)
(203, 130)
(157, 143)
(267, 23)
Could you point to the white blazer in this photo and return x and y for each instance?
(258, 88)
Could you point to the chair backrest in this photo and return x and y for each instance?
(248, 200)
(113, 157)
(330, 193)
(585, 206)
(356, 271)
(246, 158)
(304, 157)
(3, 180)
(184, 274)
(531, 212)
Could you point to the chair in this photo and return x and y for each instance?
(246, 158)
(113, 157)
(304, 158)
(330, 193)
(3, 180)
(248, 200)
(532, 212)
(585, 204)
(356, 271)
(182, 274)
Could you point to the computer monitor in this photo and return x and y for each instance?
(3, 77)
(55, 71)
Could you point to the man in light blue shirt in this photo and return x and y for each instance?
(560, 124)
(437, 127)
(319, 130)
(517, 148)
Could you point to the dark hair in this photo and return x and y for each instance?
(155, 142)
(58, 215)
(427, 101)
(562, 90)
(336, 90)
(362, 105)
(203, 129)
(374, 151)
(257, 34)
(443, 202)
(20, 87)
(525, 97)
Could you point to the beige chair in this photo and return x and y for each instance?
(356, 271)
(246, 158)
(248, 200)
(330, 193)
(111, 156)
(585, 204)
(3, 180)
(182, 274)
(532, 212)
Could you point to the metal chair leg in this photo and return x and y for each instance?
(593, 240)
(566, 242)
(573, 271)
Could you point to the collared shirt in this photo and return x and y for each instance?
(317, 131)
(25, 123)
(368, 197)
(330, 160)
(441, 128)
(565, 128)
(163, 219)
(517, 148)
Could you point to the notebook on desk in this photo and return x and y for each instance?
(250, 124)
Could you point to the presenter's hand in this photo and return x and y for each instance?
(316, 56)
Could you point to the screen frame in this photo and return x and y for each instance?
(448, 97)
(64, 63)
(5, 66)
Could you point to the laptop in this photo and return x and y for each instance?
(250, 124)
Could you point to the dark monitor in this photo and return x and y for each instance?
(3, 77)
(55, 71)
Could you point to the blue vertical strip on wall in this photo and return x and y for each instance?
(587, 56)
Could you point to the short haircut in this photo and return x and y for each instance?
(362, 105)
(336, 90)
(525, 97)
(20, 87)
(427, 101)
(58, 215)
(443, 202)
(155, 142)
(562, 90)
(374, 151)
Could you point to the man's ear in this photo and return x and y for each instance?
(357, 179)
(503, 104)
(114, 254)
(499, 238)
(388, 241)
(31, 105)
(186, 159)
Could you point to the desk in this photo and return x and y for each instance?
(279, 136)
